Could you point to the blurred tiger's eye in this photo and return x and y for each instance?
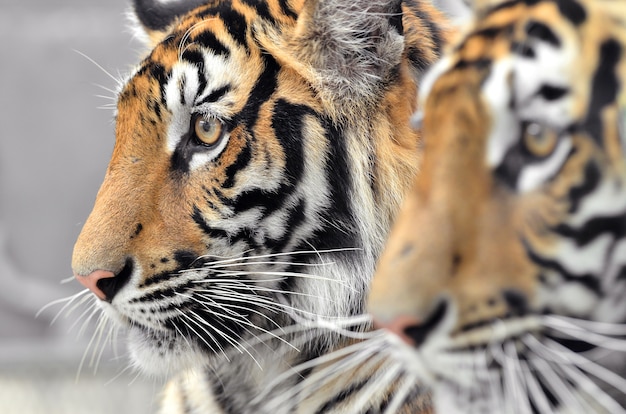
(539, 140)
(208, 131)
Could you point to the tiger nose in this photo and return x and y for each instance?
(103, 283)
(400, 326)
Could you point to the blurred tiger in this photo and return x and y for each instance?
(505, 272)
(262, 151)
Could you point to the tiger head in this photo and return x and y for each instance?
(505, 271)
(262, 149)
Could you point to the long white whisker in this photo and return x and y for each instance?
(534, 390)
(589, 337)
(186, 318)
(400, 395)
(555, 384)
(563, 355)
(587, 325)
(69, 300)
(587, 385)
(118, 82)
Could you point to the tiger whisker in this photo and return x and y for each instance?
(562, 355)
(290, 274)
(516, 383)
(574, 331)
(227, 265)
(262, 302)
(587, 385)
(183, 40)
(400, 395)
(335, 325)
(280, 254)
(103, 343)
(365, 395)
(316, 380)
(602, 328)
(534, 390)
(338, 367)
(119, 374)
(119, 82)
(243, 298)
(185, 318)
(543, 364)
(82, 315)
(68, 299)
(94, 311)
(270, 290)
(89, 345)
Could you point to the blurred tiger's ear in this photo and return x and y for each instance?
(345, 48)
(153, 19)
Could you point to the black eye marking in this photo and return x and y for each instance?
(552, 93)
(543, 32)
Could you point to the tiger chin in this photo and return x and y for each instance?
(503, 278)
(262, 150)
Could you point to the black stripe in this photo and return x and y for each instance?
(243, 159)
(342, 396)
(215, 95)
(196, 58)
(206, 229)
(592, 178)
(433, 29)
(594, 228)
(263, 89)
(261, 9)
(297, 215)
(288, 123)
(286, 9)
(588, 280)
(209, 41)
(541, 31)
(572, 10)
(236, 26)
(605, 85)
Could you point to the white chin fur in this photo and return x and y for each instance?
(162, 356)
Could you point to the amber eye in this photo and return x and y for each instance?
(208, 131)
(539, 140)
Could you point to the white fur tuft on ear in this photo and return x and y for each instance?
(346, 48)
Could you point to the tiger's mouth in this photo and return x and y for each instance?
(544, 363)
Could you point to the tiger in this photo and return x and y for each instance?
(502, 286)
(263, 148)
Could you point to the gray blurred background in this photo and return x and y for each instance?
(54, 147)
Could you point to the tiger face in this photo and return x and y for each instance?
(505, 270)
(262, 149)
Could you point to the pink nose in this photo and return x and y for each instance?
(91, 281)
(399, 326)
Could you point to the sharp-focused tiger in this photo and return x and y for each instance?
(506, 269)
(262, 151)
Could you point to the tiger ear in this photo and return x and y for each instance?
(347, 48)
(152, 19)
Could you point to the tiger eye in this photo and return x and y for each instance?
(539, 140)
(208, 131)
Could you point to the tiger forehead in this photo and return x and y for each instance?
(506, 30)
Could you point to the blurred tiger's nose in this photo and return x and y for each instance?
(399, 326)
(101, 282)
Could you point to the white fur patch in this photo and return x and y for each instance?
(534, 175)
(503, 134)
